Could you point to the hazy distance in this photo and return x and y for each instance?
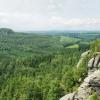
(32, 15)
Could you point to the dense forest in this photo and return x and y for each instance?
(42, 67)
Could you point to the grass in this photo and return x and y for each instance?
(68, 39)
(73, 46)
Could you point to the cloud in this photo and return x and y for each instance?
(76, 21)
(30, 21)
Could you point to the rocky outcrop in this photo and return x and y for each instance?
(83, 55)
(93, 64)
(69, 96)
(90, 84)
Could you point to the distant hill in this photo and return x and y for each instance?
(6, 31)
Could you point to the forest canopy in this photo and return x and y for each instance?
(41, 67)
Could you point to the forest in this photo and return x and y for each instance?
(42, 66)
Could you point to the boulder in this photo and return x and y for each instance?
(91, 84)
(85, 54)
(68, 97)
(97, 61)
(90, 63)
(94, 62)
(80, 62)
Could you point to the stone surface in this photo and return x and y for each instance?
(97, 61)
(90, 84)
(85, 54)
(90, 63)
(94, 62)
(68, 97)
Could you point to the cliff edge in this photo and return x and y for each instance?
(91, 84)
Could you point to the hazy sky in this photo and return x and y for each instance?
(50, 14)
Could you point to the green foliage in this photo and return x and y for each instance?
(95, 46)
(94, 97)
(68, 39)
(73, 46)
(6, 31)
(39, 67)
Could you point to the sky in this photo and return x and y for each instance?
(30, 15)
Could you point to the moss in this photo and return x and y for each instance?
(94, 96)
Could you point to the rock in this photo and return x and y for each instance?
(68, 97)
(85, 54)
(94, 62)
(99, 65)
(90, 84)
(93, 80)
(90, 63)
(79, 63)
(97, 61)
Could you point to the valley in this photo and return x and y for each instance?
(42, 66)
